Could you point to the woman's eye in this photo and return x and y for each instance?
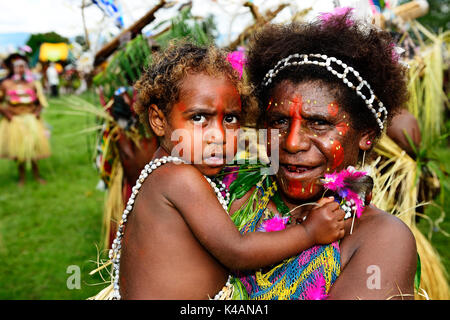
(231, 119)
(319, 124)
(280, 122)
(198, 118)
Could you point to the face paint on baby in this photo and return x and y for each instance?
(204, 122)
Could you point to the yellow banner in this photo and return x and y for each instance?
(54, 51)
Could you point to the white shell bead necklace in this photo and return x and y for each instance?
(114, 252)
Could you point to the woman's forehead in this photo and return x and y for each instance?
(314, 90)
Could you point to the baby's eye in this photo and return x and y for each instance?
(198, 118)
(231, 119)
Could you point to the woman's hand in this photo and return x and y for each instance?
(325, 224)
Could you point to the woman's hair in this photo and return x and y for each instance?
(161, 82)
(368, 50)
(9, 62)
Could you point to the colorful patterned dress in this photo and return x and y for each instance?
(307, 276)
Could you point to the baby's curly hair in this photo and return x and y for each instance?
(160, 83)
(366, 48)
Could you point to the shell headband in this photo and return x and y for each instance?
(331, 63)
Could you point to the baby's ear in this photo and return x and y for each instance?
(157, 120)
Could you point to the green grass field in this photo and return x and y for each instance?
(45, 229)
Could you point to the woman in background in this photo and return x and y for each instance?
(23, 136)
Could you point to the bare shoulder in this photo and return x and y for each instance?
(383, 246)
(173, 179)
(383, 225)
(379, 236)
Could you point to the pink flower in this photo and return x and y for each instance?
(237, 60)
(275, 224)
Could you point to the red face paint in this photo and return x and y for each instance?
(295, 112)
(338, 154)
(295, 188)
(342, 128)
(269, 105)
(333, 109)
(301, 190)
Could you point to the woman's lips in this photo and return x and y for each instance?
(301, 172)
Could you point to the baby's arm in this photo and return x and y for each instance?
(196, 201)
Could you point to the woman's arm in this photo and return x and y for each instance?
(383, 265)
(211, 225)
(3, 109)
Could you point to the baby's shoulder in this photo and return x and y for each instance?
(171, 176)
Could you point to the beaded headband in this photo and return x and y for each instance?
(330, 62)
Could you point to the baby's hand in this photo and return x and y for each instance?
(325, 223)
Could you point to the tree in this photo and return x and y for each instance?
(37, 39)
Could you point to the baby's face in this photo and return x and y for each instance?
(203, 124)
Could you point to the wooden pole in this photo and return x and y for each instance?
(130, 33)
(261, 20)
(86, 34)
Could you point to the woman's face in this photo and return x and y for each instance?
(19, 67)
(315, 136)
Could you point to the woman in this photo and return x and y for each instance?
(23, 136)
(329, 88)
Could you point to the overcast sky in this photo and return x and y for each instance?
(64, 16)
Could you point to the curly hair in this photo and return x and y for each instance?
(160, 84)
(367, 49)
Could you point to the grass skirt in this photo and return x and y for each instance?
(24, 138)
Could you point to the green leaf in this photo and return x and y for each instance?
(411, 143)
(418, 273)
(281, 206)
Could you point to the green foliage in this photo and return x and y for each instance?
(437, 16)
(126, 65)
(185, 26)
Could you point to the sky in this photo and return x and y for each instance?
(22, 17)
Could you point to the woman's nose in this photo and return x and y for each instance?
(297, 139)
